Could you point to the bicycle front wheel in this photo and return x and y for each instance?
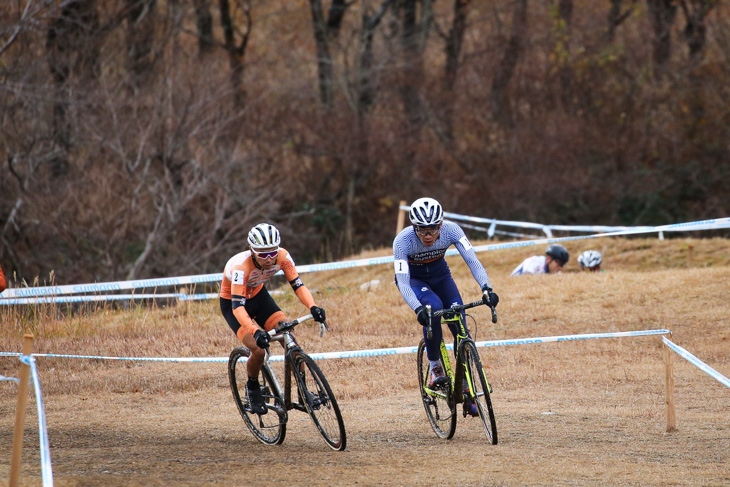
(479, 389)
(439, 403)
(269, 428)
(316, 394)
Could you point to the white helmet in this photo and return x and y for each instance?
(426, 211)
(264, 236)
(590, 258)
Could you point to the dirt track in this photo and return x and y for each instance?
(572, 413)
(564, 434)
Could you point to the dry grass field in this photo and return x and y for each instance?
(588, 412)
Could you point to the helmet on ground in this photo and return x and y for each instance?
(558, 252)
(426, 211)
(264, 236)
(590, 258)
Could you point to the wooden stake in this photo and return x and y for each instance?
(401, 217)
(669, 389)
(20, 413)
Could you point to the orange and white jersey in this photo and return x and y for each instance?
(243, 279)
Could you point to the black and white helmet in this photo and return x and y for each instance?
(426, 212)
(590, 258)
(264, 236)
(558, 252)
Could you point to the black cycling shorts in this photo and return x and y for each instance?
(259, 308)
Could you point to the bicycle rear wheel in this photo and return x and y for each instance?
(269, 428)
(479, 389)
(317, 396)
(439, 403)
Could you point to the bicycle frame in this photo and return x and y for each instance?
(291, 347)
(460, 372)
(467, 374)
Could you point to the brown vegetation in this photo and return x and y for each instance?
(588, 412)
(142, 138)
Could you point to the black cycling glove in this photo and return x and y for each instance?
(422, 315)
(489, 297)
(262, 339)
(317, 314)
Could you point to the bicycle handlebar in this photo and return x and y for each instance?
(451, 311)
(286, 326)
(457, 308)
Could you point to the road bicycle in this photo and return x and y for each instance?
(314, 395)
(441, 401)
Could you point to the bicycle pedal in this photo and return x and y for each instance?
(250, 410)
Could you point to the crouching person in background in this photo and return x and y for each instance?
(555, 258)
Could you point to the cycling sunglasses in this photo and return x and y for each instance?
(428, 231)
(266, 255)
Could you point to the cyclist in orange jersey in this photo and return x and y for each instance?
(248, 307)
(3, 284)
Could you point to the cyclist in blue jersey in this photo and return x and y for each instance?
(424, 278)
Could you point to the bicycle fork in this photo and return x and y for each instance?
(464, 373)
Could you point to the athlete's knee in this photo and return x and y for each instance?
(274, 320)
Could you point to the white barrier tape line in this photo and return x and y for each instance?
(697, 362)
(722, 223)
(568, 338)
(107, 297)
(137, 359)
(710, 224)
(539, 226)
(491, 232)
(375, 352)
(24, 292)
(46, 469)
(12, 379)
(181, 280)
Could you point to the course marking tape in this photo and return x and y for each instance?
(376, 352)
(109, 297)
(547, 229)
(302, 269)
(566, 338)
(697, 362)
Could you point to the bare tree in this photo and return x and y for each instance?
(365, 81)
(695, 30)
(662, 14)
(417, 18)
(324, 58)
(616, 17)
(453, 46)
(205, 26)
(141, 22)
(236, 49)
(25, 17)
(336, 15)
(562, 52)
(695, 35)
(498, 99)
